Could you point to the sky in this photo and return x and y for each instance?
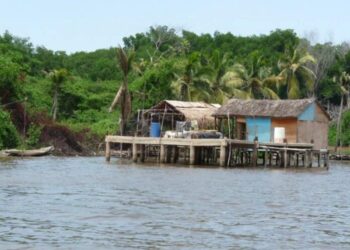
(87, 25)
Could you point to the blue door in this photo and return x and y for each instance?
(260, 127)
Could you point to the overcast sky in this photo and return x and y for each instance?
(75, 25)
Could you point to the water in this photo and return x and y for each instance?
(85, 203)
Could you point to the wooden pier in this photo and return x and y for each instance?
(222, 152)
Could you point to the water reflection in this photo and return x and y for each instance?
(84, 202)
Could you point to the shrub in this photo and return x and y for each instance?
(9, 137)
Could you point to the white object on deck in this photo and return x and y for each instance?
(279, 135)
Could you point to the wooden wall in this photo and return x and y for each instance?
(316, 130)
(313, 130)
(290, 125)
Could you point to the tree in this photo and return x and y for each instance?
(58, 77)
(123, 95)
(161, 35)
(256, 82)
(343, 81)
(189, 86)
(9, 72)
(217, 78)
(298, 78)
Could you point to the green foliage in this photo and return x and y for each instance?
(345, 129)
(9, 137)
(33, 135)
(166, 65)
(332, 135)
(9, 71)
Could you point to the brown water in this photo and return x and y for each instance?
(85, 203)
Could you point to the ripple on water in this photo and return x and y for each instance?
(73, 203)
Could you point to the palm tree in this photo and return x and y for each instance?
(123, 95)
(57, 78)
(343, 81)
(189, 86)
(256, 83)
(298, 78)
(217, 78)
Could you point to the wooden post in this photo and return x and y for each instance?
(255, 152)
(108, 151)
(285, 158)
(168, 153)
(162, 153)
(326, 159)
(265, 158)
(142, 153)
(311, 157)
(306, 159)
(192, 155)
(297, 163)
(175, 154)
(134, 152)
(222, 156)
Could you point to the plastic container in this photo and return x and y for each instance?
(279, 134)
(155, 129)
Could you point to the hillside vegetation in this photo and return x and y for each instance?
(51, 97)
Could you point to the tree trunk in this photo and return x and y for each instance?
(55, 106)
(339, 124)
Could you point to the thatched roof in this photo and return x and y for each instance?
(265, 108)
(200, 111)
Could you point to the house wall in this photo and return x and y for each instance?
(316, 129)
(260, 127)
(313, 130)
(290, 126)
(241, 130)
(308, 114)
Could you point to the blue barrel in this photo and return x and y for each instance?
(155, 129)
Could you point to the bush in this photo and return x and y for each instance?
(9, 137)
(33, 135)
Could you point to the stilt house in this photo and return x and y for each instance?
(301, 121)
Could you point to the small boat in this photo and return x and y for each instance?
(31, 152)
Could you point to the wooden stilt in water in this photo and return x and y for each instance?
(142, 153)
(162, 154)
(134, 152)
(222, 156)
(168, 153)
(285, 158)
(108, 151)
(255, 153)
(176, 154)
(192, 155)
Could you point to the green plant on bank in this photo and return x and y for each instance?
(33, 136)
(9, 137)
